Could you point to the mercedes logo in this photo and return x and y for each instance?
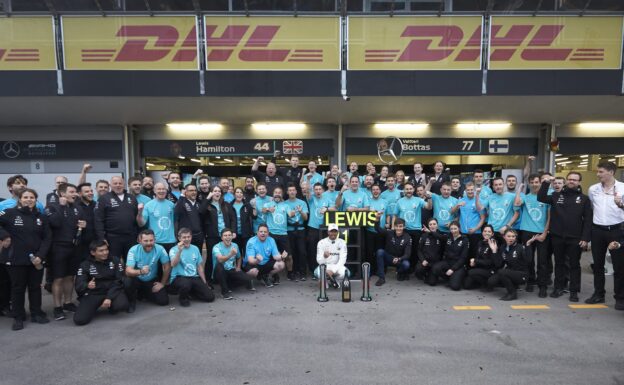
(11, 150)
(389, 149)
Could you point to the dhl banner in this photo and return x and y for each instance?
(27, 43)
(130, 43)
(414, 43)
(555, 42)
(272, 43)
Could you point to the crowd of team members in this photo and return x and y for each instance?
(144, 241)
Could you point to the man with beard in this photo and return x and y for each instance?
(499, 206)
(87, 207)
(262, 258)
(135, 187)
(204, 188)
(409, 209)
(270, 179)
(175, 186)
(277, 213)
(258, 203)
(249, 192)
(186, 215)
(291, 174)
(391, 195)
(102, 187)
(147, 187)
(312, 177)
(224, 183)
(297, 217)
(157, 215)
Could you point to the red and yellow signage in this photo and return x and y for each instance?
(272, 43)
(130, 43)
(27, 43)
(555, 42)
(415, 43)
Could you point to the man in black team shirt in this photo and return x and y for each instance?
(291, 174)
(271, 179)
(186, 215)
(86, 205)
(115, 218)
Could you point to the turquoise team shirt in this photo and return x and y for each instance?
(142, 199)
(228, 197)
(330, 196)
(410, 209)
(442, 211)
(277, 220)
(469, 216)
(358, 199)
(379, 204)
(315, 220)
(221, 249)
(11, 203)
(391, 197)
(266, 249)
(237, 208)
(534, 214)
(261, 217)
(486, 191)
(220, 221)
(190, 261)
(316, 178)
(138, 257)
(159, 218)
(176, 194)
(296, 222)
(500, 209)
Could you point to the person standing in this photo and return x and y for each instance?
(499, 206)
(30, 238)
(409, 209)
(291, 174)
(608, 223)
(270, 179)
(318, 203)
(217, 216)
(418, 178)
(297, 217)
(570, 231)
(135, 187)
(86, 205)
(470, 219)
(244, 220)
(186, 214)
(157, 215)
(442, 205)
(438, 178)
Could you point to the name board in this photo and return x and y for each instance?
(350, 218)
(449, 146)
(572, 146)
(68, 149)
(255, 147)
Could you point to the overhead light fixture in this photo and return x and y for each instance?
(605, 126)
(149, 164)
(401, 126)
(611, 160)
(287, 160)
(483, 126)
(564, 163)
(240, 164)
(584, 156)
(195, 160)
(262, 163)
(210, 164)
(619, 156)
(227, 160)
(181, 157)
(218, 157)
(277, 127)
(195, 127)
(583, 165)
(557, 155)
(560, 159)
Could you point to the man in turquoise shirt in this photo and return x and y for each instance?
(470, 219)
(142, 270)
(331, 193)
(157, 215)
(262, 258)
(499, 207)
(535, 224)
(442, 205)
(312, 177)
(478, 180)
(297, 217)
(351, 197)
(374, 240)
(277, 217)
(391, 195)
(409, 209)
(258, 203)
(226, 258)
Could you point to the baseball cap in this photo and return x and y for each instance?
(332, 226)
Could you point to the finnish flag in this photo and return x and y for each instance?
(498, 146)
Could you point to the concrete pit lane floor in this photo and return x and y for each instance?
(409, 334)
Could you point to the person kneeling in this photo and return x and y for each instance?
(332, 252)
(187, 270)
(512, 263)
(262, 258)
(99, 284)
(226, 259)
(453, 266)
(396, 253)
(142, 269)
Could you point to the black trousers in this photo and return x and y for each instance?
(373, 242)
(477, 277)
(90, 303)
(297, 241)
(188, 287)
(544, 261)
(473, 244)
(508, 279)
(5, 287)
(198, 241)
(22, 278)
(210, 243)
(242, 244)
(313, 240)
(600, 240)
(119, 245)
(229, 278)
(424, 273)
(137, 289)
(456, 280)
(415, 234)
(567, 262)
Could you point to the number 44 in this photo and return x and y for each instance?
(262, 146)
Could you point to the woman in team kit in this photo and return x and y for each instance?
(430, 250)
(481, 267)
(244, 220)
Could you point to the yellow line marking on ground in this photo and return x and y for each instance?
(530, 307)
(472, 308)
(588, 306)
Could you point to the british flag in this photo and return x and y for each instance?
(292, 147)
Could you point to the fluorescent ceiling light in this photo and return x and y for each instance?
(195, 160)
(619, 156)
(149, 164)
(602, 126)
(195, 127)
(560, 159)
(483, 126)
(564, 163)
(584, 156)
(181, 157)
(218, 157)
(401, 126)
(611, 160)
(262, 163)
(557, 155)
(288, 127)
(583, 165)
(210, 164)
(287, 160)
(227, 160)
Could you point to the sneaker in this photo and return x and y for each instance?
(70, 307)
(380, 282)
(59, 314)
(131, 307)
(400, 277)
(250, 286)
(619, 305)
(314, 277)
(332, 282)
(185, 302)
(302, 277)
(529, 288)
(291, 276)
(542, 292)
(509, 297)
(276, 279)
(227, 296)
(595, 298)
(556, 293)
(18, 324)
(39, 319)
(268, 282)
(574, 296)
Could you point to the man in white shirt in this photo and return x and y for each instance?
(608, 221)
(332, 252)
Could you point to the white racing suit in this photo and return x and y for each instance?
(337, 256)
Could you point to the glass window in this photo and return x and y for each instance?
(263, 5)
(28, 5)
(214, 5)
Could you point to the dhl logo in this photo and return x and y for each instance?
(419, 49)
(136, 47)
(19, 55)
(252, 45)
(539, 41)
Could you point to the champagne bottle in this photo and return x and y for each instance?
(346, 289)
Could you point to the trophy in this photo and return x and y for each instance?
(322, 297)
(366, 297)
